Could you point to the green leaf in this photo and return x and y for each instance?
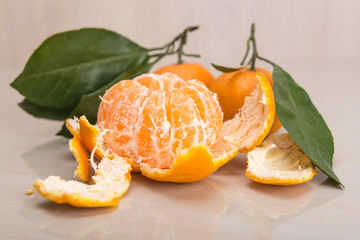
(44, 112)
(89, 103)
(64, 132)
(226, 69)
(71, 64)
(303, 121)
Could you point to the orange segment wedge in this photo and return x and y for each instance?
(82, 158)
(279, 161)
(111, 181)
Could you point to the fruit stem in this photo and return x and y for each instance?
(169, 47)
(255, 52)
(247, 52)
(266, 60)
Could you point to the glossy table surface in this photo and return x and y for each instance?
(225, 205)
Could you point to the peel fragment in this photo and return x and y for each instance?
(279, 161)
(73, 126)
(82, 158)
(185, 169)
(89, 135)
(111, 182)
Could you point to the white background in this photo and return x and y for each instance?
(300, 30)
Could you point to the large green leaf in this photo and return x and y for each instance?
(303, 121)
(89, 103)
(71, 64)
(45, 112)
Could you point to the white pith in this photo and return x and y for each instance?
(279, 157)
(110, 181)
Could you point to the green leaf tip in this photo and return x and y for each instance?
(226, 69)
(303, 121)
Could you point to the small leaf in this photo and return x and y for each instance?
(44, 112)
(64, 132)
(89, 103)
(226, 69)
(70, 64)
(302, 120)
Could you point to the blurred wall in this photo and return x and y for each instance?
(298, 30)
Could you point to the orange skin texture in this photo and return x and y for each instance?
(188, 71)
(232, 88)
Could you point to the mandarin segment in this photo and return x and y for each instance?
(172, 82)
(119, 117)
(112, 94)
(185, 121)
(152, 81)
(153, 132)
(210, 111)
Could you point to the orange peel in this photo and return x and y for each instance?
(111, 182)
(185, 169)
(73, 126)
(233, 87)
(111, 179)
(279, 161)
(90, 137)
(82, 158)
(188, 71)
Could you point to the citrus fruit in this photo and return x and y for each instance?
(188, 71)
(172, 129)
(233, 87)
(279, 161)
